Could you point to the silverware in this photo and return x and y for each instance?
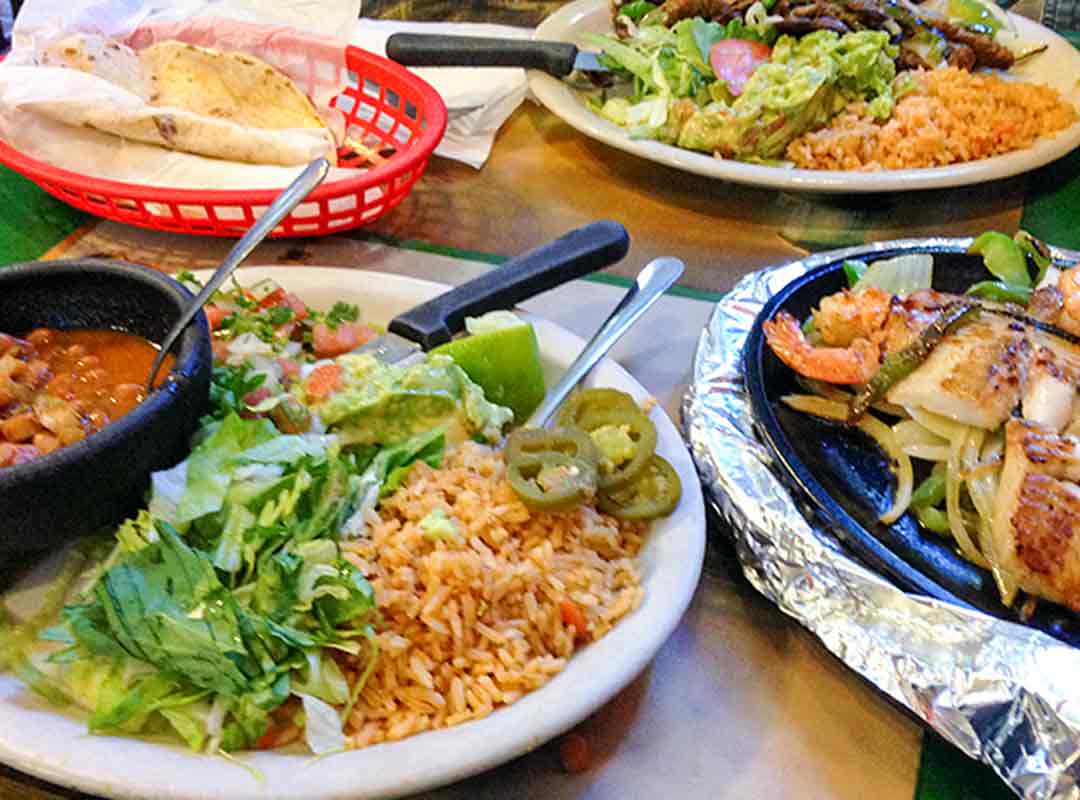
(433, 50)
(656, 278)
(285, 202)
(577, 253)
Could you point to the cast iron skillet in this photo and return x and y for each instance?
(97, 482)
(846, 477)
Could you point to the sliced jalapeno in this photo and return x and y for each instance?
(589, 400)
(655, 493)
(625, 439)
(552, 481)
(533, 441)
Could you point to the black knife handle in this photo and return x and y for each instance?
(435, 50)
(583, 250)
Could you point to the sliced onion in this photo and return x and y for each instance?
(905, 475)
(952, 501)
(818, 406)
(937, 424)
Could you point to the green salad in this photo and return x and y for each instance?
(799, 84)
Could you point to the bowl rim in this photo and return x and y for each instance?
(188, 361)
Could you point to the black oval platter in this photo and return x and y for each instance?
(846, 477)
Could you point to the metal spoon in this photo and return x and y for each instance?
(285, 202)
(657, 277)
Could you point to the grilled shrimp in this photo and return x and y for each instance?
(846, 316)
(859, 328)
(853, 364)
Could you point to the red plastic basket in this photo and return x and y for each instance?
(387, 109)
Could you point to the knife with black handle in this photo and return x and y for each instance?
(435, 50)
(573, 255)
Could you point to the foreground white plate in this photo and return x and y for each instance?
(43, 741)
(1058, 67)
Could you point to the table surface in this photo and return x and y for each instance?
(740, 702)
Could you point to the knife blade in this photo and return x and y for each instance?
(573, 255)
(434, 50)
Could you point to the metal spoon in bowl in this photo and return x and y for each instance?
(658, 276)
(283, 204)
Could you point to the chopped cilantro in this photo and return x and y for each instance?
(342, 312)
(228, 387)
(279, 315)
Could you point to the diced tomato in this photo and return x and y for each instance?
(285, 331)
(573, 615)
(323, 380)
(734, 61)
(296, 304)
(289, 368)
(215, 315)
(255, 397)
(277, 736)
(347, 336)
(274, 298)
(220, 348)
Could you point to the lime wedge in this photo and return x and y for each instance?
(505, 363)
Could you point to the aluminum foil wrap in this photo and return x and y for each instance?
(1005, 694)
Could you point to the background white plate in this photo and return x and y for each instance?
(39, 739)
(1058, 66)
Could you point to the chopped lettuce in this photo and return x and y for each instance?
(676, 98)
(322, 726)
(204, 632)
(207, 479)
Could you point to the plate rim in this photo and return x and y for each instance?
(553, 94)
(71, 762)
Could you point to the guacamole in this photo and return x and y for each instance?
(380, 404)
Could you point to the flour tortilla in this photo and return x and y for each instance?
(232, 86)
(198, 100)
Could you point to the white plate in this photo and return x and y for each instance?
(1058, 67)
(50, 744)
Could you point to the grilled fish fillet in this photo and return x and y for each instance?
(1036, 521)
(982, 372)
(974, 376)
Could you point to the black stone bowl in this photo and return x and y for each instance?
(95, 483)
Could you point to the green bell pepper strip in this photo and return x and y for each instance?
(933, 519)
(1002, 257)
(1037, 251)
(1000, 292)
(930, 492)
(853, 270)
